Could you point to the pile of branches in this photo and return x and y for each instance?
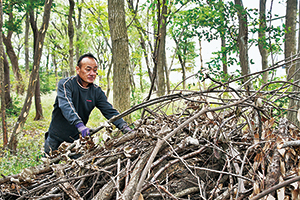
(219, 143)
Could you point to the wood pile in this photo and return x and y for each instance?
(220, 143)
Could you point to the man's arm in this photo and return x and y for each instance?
(107, 109)
(65, 103)
(65, 93)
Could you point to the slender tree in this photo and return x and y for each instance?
(143, 38)
(243, 39)
(120, 51)
(78, 29)
(7, 40)
(37, 92)
(262, 38)
(290, 35)
(2, 91)
(27, 44)
(39, 36)
(71, 36)
(185, 51)
(54, 62)
(38, 101)
(223, 37)
(294, 102)
(8, 99)
(102, 45)
(161, 60)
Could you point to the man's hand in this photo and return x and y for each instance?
(126, 129)
(85, 131)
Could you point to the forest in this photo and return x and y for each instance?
(210, 89)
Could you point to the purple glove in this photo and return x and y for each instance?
(85, 131)
(126, 129)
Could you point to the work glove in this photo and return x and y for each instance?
(126, 129)
(85, 131)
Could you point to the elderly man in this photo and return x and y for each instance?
(76, 97)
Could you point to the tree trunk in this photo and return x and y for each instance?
(243, 40)
(11, 53)
(141, 78)
(47, 66)
(71, 36)
(181, 59)
(38, 102)
(290, 35)
(142, 42)
(14, 62)
(168, 84)
(108, 86)
(8, 100)
(131, 79)
(223, 41)
(262, 38)
(182, 64)
(78, 32)
(2, 89)
(53, 55)
(294, 103)
(27, 45)
(120, 52)
(161, 63)
(38, 48)
(224, 55)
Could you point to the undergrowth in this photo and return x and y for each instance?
(29, 154)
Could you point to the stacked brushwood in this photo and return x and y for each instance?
(219, 143)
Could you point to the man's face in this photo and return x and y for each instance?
(87, 71)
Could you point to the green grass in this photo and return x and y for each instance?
(30, 140)
(29, 154)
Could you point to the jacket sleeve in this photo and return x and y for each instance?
(65, 103)
(107, 109)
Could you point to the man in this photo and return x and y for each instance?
(76, 97)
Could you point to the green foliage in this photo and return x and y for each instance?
(181, 32)
(137, 97)
(274, 38)
(13, 8)
(215, 71)
(29, 154)
(47, 82)
(102, 78)
(282, 102)
(12, 23)
(15, 108)
(34, 4)
(95, 118)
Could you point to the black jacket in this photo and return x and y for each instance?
(73, 104)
